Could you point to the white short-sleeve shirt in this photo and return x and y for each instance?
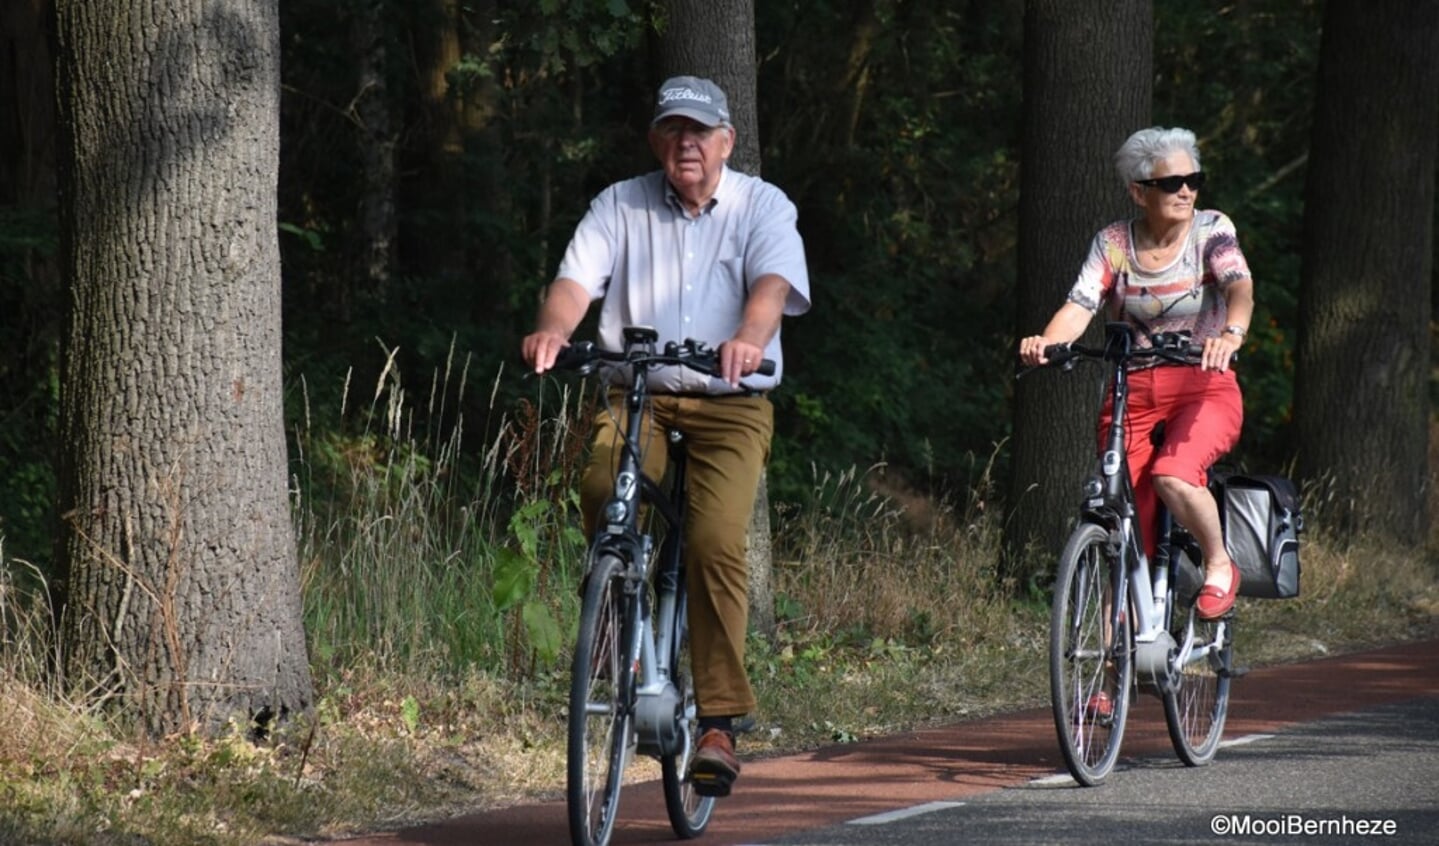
(688, 277)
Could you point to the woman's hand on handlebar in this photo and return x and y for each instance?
(539, 349)
(1219, 351)
(1031, 350)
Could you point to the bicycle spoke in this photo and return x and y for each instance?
(1196, 709)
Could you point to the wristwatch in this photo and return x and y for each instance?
(1236, 329)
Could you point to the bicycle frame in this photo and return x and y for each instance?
(650, 642)
(1109, 501)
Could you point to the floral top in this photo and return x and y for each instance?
(1187, 295)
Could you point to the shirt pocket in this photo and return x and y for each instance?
(728, 275)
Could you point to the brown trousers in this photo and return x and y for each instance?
(729, 440)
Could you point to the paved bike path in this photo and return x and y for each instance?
(838, 783)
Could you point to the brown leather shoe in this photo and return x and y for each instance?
(715, 767)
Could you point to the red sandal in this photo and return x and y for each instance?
(1213, 601)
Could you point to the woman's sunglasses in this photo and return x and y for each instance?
(1170, 184)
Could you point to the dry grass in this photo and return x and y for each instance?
(890, 619)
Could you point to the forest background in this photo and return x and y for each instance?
(423, 461)
(904, 166)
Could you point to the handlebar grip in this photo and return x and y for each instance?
(575, 356)
(1058, 353)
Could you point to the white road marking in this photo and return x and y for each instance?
(1240, 741)
(1057, 778)
(903, 813)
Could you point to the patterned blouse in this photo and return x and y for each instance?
(1186, 295)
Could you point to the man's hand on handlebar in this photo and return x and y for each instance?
(738, 359)
(540, 349)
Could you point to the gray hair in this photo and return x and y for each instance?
(1136, 157)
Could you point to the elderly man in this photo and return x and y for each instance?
(695, 250)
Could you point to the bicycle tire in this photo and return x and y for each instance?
(688, 811)
(1197, 707)
(601, 716)
(1083, 669)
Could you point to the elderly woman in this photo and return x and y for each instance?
(1172, 268)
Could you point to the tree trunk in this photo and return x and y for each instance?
(178, 563)
(716, 40)
(435, 245)
(1362, 372)
(374, 110)
(1087, 87)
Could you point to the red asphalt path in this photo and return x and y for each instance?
(837, 783)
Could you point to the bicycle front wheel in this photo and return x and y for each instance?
(1089, 656)
(689, 812)
(1198, 705)
(600, 720)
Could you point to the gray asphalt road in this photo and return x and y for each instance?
(1368, 776)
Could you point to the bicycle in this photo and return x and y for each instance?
(631, 691)
(1117, 624)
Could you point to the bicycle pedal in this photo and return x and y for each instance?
(712, 784)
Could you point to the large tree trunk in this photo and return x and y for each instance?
(1362, 377)
(1087, 87)
(178, 555)
(716, 40)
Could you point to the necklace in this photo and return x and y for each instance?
(1156, 252)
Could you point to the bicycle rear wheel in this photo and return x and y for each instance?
(600, 719)
(1089, 656)
(689, 812)
(1196, 709)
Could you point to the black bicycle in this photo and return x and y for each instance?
(1117, 623)
(631, 691)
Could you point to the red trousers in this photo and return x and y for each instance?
(1202, 412)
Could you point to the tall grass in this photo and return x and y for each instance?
(402, 534)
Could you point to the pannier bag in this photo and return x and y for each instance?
(1261, 530)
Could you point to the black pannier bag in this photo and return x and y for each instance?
(1261, 530)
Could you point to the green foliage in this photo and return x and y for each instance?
(903, 176)
(517, 573)
(29, 382)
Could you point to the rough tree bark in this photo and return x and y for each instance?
(716, 40)
(1087, 87)
(177, 555)
(1361, 398)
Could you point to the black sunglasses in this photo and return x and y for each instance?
(1170, 184)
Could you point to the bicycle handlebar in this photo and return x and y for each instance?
(584, 356)
(1174, 347)
(1118, 348)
